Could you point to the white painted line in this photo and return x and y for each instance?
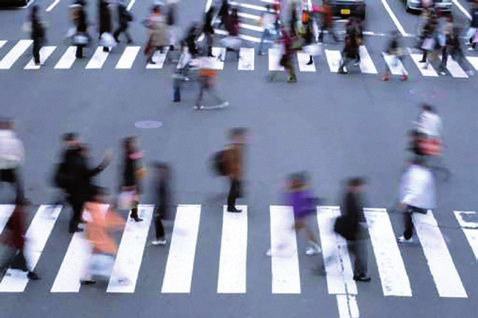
(208, 5)
(233, 257)
(274, 60)
(244, 37)
(98, 59)
(127, 58)
(429, 71)
(247, 6)
(473, 61)
(2, 43)
(463, 10)
(366, 63)
(394, 64)
(454, 68)
(45, 52)
(394, 18)
(67, 60)
(5, 212)
(36, 238)
(445, 275)
(390, 265)
(246, 59)
(269, 1)
(12, 56)
(303, 59)
(335, 253)
(52, 5)
(159, 58)
(334, 58)
(248, 16)
(251, 27)
(130, 5)
(217, 62)
(130, 252)
(179, 268)
(470, 228)
(285, 259)
(348, 307)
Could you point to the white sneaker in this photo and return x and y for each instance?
(198, 107)
(402, 239)
(313, 250)
(159, 242)
(470, 73)
(225, 104)
(269, 252)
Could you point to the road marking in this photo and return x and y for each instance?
(52, 5)
(284, 256)
(130, 5)
(36, 238)
(127, 58)
(394, 18)
(335, 253)
(208, 5)
(68, 58)
(394, 64)
(159, 58)
(334, 58)
(390, 265)
(366, 63)
(445, 275)
(248, 16)
(251, 27)
(274, 60)
(248, 6)
(98, 59)
(303, 59)
(244, 37)
(470, 228)
(130, 252)
(12, 56)
(455, 69)
(233, 257)
(269, 1)
(348, 307)
(2, 43)
(5, 211)
(180, 264)
(246, 59)
(463, 10)
(45, 52)
(473, 61)
(217, 62)
(430, 71)
(74, 264)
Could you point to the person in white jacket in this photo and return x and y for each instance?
(417, 195)
(12, 155)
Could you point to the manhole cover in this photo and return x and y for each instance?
(148, 124)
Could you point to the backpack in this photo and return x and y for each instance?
(218, 163)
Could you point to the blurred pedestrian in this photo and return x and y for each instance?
(163, 200)
(12, 155)
(307, 33)
(158, 37)
(350, 53)
(456, 50)
(293, 20)
(81, 39)
(208, 31)
(206, 79)
(172, 21)
(417, 195)
(396, 52)
(233, 42)
(268, 21)
(38, 33)
(287, 56)
(223, 13)
(105, 22)
(472, 35)
(429, 42)
(14, 240)
(234, 163)
(327, 21)
(132, 172)
(124, 17)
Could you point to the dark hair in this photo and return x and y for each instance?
(302, 177)
(70, 136)
(128, 145)
(428, 107)
(236, 132)
(356, 182)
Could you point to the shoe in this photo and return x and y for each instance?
(342, 72)
(404, 77)
(186, 79)
(470, 73)
(198, 107)
(137, 219)
(311, 61)
(260, 53)
(159, 242)
(422, 61)
(234, 210)
(313, 250)
(210, 55)
(87, 282)
(385, 78)
(443, 73)
(402, 239)
(356, 63)
(362, 278)
(130, 42)
(105, 49)
(75, 230)
(151, 62)
(225, 104)
(269, 252)
(33, 276)
(471, 49)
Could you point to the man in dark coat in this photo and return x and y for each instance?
(105, 20)
(124, 18)
(38, 33)
(81, 29)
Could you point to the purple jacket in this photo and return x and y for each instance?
(302, 202)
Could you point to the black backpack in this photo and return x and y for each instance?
(218, 163)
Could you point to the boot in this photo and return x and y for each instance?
(311, 61)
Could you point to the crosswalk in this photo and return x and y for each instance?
(234, 250)
(127, 58)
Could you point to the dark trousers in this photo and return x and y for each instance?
(36, 50)
(234, 193)
(444, 58)
(204, 84)
(360, 251)
(13, 176)
(408, 232)
(79, 51)
(158, 224)
(330, 30)
(15, 259)
(77, 207)
(123, 29)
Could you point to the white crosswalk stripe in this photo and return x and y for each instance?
(468, 220)
(67, 59)
(12, 56)
(2, 43)
(159, 59)
(98, 59)
(473, 61)
(127, 58)
(45, 53)
(246, 59)
(455, 69)
(303, 59)
(5, 212)
(429, 71)
(274, 60)
(394, 64)
(366, 63)
(334, 59)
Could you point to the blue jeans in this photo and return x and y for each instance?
(266, 35)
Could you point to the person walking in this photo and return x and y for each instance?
(171, 22)
(349, 53)
(327, 20)
(234, 163)
(308, 34)
(105, 23)
(233, 42)
(456, 50)
(132, 172)
(268, 21)
(471, 34)
(287, 56)
(158, 37)
(14, 240)
(223, 13)
(429, 40)
(37, 33)
(163, 201)
(396, 53)
(124, 17)
(208, 31)
(12, 155)
(206, 81)
(81, 38)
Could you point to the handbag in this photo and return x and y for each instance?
(80, 39)
(107, 39)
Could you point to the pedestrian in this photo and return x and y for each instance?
(124, 17)
(288, 55)
(37, 33)
(171, 21)
(234, 163)
(208, 31)
(207, 81)
(308, 34)
(327, 20)
(133, 172)
(12, 155)
(417, 195)
(268, 21)
(471, 35)
(456, 50)
(223, 13)
(354, 227)
(396, 52)
(81, 176)
(163, 200)
(14, 240)
(105, 22)
(445, 42)
(430, 42)
(294, 21)
(350, 53)
(233, 42)
(81, 38)
(158, 37)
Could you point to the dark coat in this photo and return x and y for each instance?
(105, 18)
(123, 15)
(208, 29)
(38, 30)
(15, 234)
(82, 178)
(82, 26)
(352, 211)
